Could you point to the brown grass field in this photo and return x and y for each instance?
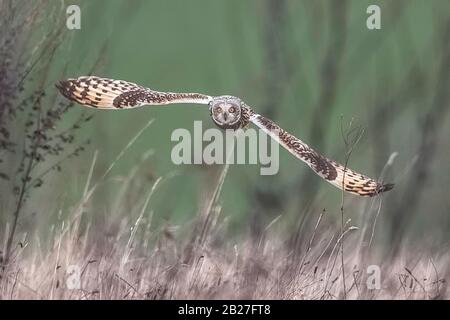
(196, 261)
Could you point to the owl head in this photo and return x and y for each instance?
(226, 111)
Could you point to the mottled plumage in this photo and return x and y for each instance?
(105, 93)
(227, 112)
(333, 172)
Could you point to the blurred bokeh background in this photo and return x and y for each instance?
(311, 66)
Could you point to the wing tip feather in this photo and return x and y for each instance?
(63, 87)
(384, 188)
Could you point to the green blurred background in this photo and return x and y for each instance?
(305, 64)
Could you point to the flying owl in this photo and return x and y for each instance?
(227, 112)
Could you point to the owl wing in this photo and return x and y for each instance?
(103, 93)
(333, 172)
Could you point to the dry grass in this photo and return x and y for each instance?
(110, 268)
(129, 258)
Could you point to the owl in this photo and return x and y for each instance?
(227, 112)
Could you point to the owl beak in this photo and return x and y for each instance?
(225, 116)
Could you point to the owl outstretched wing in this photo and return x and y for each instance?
(333, 172)
(103, 93)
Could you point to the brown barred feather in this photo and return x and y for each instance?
(331, 171)
(105, 93)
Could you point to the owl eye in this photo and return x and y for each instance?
(232, 110)
(217, 109)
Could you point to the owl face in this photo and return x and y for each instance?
(226, 111)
